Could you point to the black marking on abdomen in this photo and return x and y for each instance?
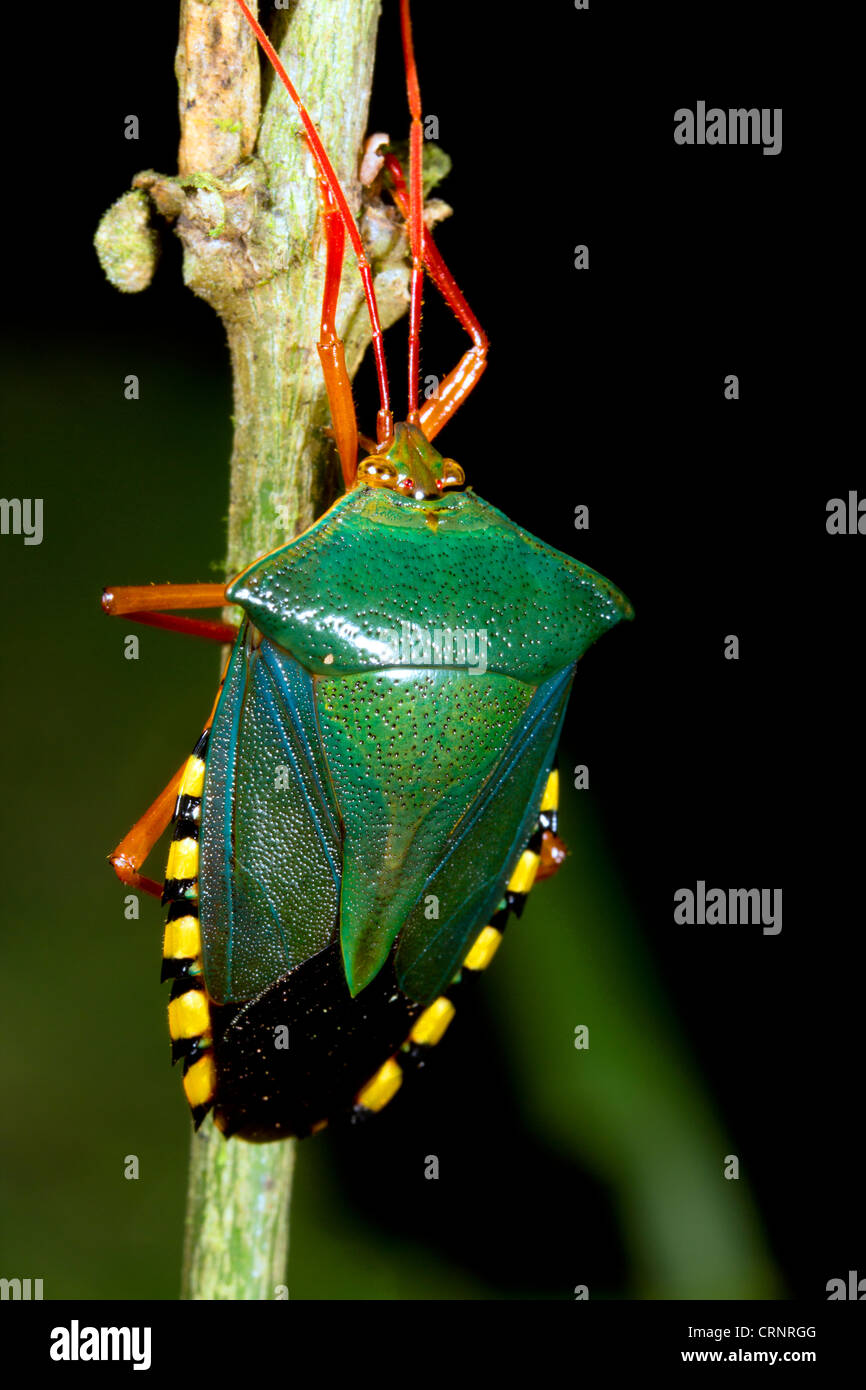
(181, 890)
(200, 749)
(187, 818)
(336, 1043)
(177, 968)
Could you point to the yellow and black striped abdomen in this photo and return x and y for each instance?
(189, 1019)
(304, 1052)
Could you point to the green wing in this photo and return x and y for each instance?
(482, 852)
(437, 776)
(270, 843)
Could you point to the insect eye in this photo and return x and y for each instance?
(452, 473)
(377, 471)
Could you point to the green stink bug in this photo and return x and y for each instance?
(373, 792)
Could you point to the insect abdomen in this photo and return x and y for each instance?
(304, 1052)
(189, 1020)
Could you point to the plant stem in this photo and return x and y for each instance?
(247, 213)
(245, 205)
(237, 1219)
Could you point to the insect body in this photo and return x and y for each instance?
(373, 793)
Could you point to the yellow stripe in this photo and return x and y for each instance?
(431, 1025)
(550, 800)
(182, 939)
(524, 875)
(200, 1081)
(484, 949)
(183, 859)
(192, 782)
(188, 1015)
(385, 1084)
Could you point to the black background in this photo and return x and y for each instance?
(604, 388)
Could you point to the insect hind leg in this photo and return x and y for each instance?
(129, 856)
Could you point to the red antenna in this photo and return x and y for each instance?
(329, 177)
(416, 210)
(338, 221)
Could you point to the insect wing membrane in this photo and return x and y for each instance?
(270, 844)
(477, 859)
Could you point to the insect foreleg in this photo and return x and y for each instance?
(140, 604)
(331, 354)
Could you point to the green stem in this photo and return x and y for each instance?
(237, 1221)
(248, 220)
(245, 205)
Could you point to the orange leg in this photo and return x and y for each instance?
(134, 848)
(385, 418)
(553, 854)
(140, 602)
(463, 378)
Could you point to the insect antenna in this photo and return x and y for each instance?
(416, 210)
(385, 418)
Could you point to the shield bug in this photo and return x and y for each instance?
(403, 667)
